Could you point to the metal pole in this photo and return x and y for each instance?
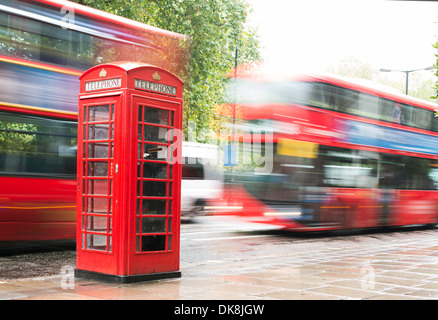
(407, 81)
(230, 155)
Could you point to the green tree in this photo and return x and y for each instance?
(216, 28)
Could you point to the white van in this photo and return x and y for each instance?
(202, 179)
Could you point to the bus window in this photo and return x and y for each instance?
(32, 145)
(349, 168)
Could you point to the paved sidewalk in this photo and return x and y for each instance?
(398, 269)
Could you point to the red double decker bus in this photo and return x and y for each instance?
(45, 46)
(343, 154)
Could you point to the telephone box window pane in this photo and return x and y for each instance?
(153, 225)
(97, 224)
(154, 188)
(97, 187)
(97, 169)
(155, 170)
(155, 134)
(153, 243)
(98, 150)
(170, 189)
(140, 117)
(96, 242)
(140, 132)
(169, 225)
(98, 131)
(169, 242)
(154, 115)
(97, 205)
(151, 206)
(172, 117)
(98, 113)
(154, 152)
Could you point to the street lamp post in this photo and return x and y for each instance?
(407, 72)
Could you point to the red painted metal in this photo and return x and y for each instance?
(37, 209)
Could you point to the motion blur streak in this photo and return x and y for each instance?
(345, 154)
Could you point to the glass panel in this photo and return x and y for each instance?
(140, 117)
(170, 189)
(154, 115)
(154, 152)
(155, 134)
(153, 225)
(98, 113)
(151, 206)
(98, 131)
(97, 169)
(140, 132)
(153, 243)
(169, 225)
(98, 150)
(96, 242)
(154, 188)
(172, 116)
(155, 170)
(97, 205)
(96, 224)
(97, 187)
(169, 242)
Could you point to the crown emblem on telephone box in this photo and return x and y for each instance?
(156, 76)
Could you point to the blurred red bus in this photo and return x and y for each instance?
(344, 154)
(45, 46)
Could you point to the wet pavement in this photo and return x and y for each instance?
(403, 267)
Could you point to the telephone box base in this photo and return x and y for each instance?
(91, 275)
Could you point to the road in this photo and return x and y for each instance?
(204, 240)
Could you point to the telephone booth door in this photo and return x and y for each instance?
(97, 187)
(156, 222)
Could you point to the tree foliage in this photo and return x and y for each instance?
(216, 29)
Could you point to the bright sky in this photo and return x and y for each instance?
(387, 34)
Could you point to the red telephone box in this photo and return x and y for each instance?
(129, 173)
